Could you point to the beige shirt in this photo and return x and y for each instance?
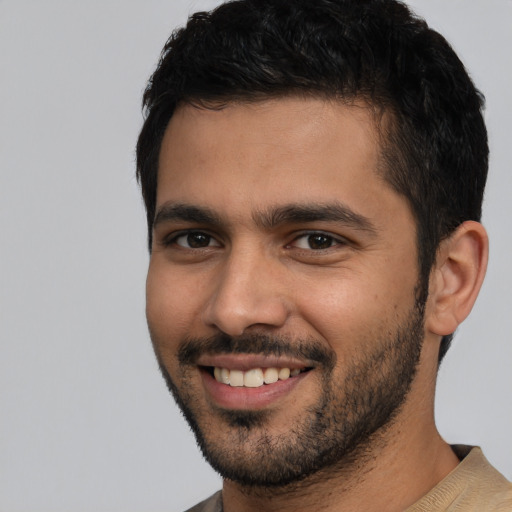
(473, 486)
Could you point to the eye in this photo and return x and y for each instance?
(195, 240)
(316, 241)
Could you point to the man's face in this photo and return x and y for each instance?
(279, 249)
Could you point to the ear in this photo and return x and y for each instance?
(456, 278)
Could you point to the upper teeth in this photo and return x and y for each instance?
(253, 378)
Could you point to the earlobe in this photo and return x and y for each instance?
(456, 278)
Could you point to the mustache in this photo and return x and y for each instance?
(190, 349)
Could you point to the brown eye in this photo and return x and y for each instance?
(196, 240)
(320, 241)
(316, 241)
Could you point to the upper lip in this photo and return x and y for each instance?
(246, 362)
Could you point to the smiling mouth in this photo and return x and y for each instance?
(255, 377)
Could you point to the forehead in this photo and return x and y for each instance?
(288, 150)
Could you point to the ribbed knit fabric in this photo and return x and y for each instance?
(473, 486)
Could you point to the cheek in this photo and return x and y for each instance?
(355, 310)
(170, 306)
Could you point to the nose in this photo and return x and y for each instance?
(249, 291)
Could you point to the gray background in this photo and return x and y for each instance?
(86, 423)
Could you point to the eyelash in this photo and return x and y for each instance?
(173, 239)
(331, 239)
(328, 238)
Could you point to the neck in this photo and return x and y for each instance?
(392, 478)
(392, 471)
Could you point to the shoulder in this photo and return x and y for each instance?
(212, 504)
(474, 485)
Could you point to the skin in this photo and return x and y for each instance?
(252, 276)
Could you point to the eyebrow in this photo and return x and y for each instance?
(271, 217)
(186, 213)
(297, 214)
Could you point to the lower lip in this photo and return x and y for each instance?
(242, 398)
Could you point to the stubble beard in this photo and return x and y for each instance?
(329, 437)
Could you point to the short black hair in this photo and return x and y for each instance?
(434, 150)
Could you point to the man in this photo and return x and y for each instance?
(313, 173)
